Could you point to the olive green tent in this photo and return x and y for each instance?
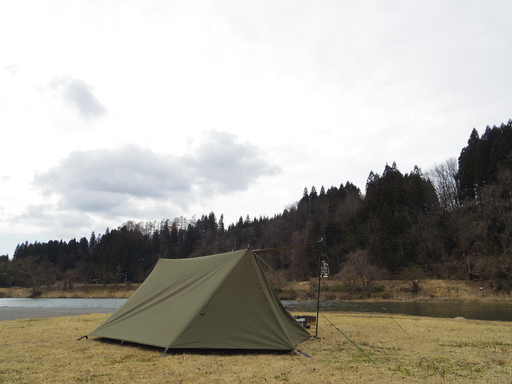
(221, 301)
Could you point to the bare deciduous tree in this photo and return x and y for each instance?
(414, 274)
(35, 273)
(443, 177)
(360, 272)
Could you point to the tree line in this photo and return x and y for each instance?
(453, 220)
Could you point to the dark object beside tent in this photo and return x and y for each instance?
(221, 301)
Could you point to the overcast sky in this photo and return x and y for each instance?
(145, 110)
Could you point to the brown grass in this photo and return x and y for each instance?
(120, 291)
(437, 351)
(399, 290)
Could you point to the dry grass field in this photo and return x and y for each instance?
(405, 349)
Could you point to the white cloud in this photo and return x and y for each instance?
(11, 70)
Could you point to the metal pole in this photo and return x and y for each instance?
(318, 298)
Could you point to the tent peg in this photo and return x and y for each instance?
(305, 354)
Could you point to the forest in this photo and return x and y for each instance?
(452, 222)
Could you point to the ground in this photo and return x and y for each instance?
(352, 348)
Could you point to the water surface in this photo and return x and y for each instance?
(61, 303)
(477, 311)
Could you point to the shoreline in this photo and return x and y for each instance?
(330, 290)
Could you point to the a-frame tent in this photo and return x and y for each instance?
(221, 301)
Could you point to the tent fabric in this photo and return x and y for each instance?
(221, 301)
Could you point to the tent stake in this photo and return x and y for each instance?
(165, 352)
(305, 354)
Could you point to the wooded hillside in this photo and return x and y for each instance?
(442, 224)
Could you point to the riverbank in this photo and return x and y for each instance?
(402, 349)
(399, 290)
(388, 290)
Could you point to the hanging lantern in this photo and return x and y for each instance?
(324, 269)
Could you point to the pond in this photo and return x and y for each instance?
(477, 311)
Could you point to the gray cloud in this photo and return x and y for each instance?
(101, 180)
(61, 223)
(120, 181)
(80, 96)
(228, 165)
(41, 215)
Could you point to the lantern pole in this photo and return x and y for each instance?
(318, 297)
